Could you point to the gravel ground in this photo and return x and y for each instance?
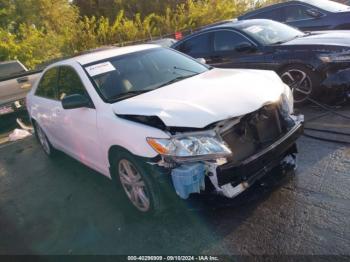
(62, 207)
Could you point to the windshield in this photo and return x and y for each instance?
(329, 6)
(269, 32)
(128, 75)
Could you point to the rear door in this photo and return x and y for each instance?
(78, 126)
(45, 106)
(15, 88)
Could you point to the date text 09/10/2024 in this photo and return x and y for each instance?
(173, 258)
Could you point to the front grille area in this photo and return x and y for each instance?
(255, 132)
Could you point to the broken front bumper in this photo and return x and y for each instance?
(232, 179)
(256, 166)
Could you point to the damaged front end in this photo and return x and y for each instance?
(232, 154)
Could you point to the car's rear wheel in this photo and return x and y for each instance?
(140, 189)
(44, 141)
(303, 82)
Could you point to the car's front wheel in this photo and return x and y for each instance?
(303, 82)
(139, 187)
(44, 141)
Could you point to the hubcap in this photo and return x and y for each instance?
(133, 185)
(43, 140)
(299, 82)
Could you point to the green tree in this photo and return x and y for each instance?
(36, 30)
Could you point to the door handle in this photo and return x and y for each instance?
(22, 79)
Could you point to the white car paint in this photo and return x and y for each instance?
(88, 134)
(201, 100)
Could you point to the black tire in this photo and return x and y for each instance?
(151, 187)
(303, 88)
(40, 135)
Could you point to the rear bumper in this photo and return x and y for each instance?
(12, 107)
(261, 163)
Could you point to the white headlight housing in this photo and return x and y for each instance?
(194, 146)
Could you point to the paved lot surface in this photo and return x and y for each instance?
(62, 207)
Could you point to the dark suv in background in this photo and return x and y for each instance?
(313, 64)
(307, 15)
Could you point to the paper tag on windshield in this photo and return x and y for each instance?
(254, 29)
(99, 69)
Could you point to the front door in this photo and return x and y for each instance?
(79, 130)
(233, 50)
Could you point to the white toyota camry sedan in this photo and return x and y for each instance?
(153, 119)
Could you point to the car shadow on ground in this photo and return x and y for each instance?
(78, 211)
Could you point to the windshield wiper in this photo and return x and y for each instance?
(128, 95)
(285, 41)
(176, 79)
(184, 69)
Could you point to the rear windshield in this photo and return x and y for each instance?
(124, 76)
(10, 68)
(329, 6)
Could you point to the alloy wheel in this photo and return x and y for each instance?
(299, 82)
(133, 185)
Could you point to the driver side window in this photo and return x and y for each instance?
(69, 83)
(225, 41)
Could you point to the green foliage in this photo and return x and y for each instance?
(35, 31)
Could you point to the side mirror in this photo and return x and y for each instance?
(201, 60)
(313, 13)
(75, 101)
(245, 47)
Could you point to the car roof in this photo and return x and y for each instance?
(98, 55)
(235, 24)
(272, 6)
(164, 42)
(9, 62)
(118, 51)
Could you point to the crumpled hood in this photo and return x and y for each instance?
(201, 100)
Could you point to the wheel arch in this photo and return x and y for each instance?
(301, 64)
(114, 150)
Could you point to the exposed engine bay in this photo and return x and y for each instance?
(257, 143)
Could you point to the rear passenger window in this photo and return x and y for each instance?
(197, 45)
(295, 13)
(227, 41)
(48, 84)
(274, 14)
(69, 83)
